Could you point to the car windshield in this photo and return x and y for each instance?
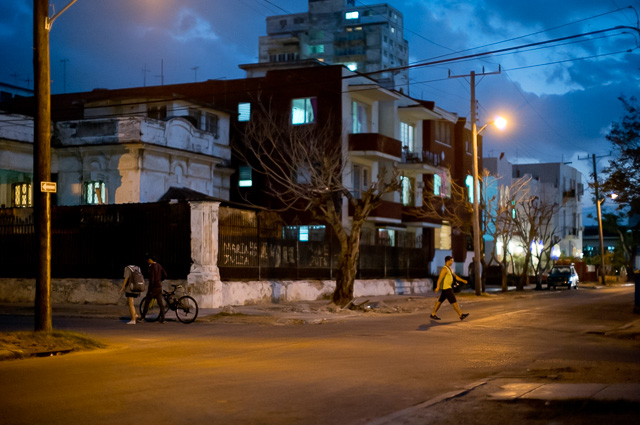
(559, 270)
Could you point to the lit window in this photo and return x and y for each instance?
(316, 49)
(359, 117)
(352, 15)
(407, 192)
(95, 193)
(469, 182)
(22, 195)
(303, 111)
(244, 112)
(406, 136)
(244, 179)
(304, 233)
(437, 183)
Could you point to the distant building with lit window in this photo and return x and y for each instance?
(118, 146)
(364, 38)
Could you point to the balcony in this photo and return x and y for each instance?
(387, 211)
(375, 146)
(410, 217)
(417, 163)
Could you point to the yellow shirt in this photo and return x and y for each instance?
(447, 280)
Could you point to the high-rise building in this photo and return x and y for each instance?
(366, 39)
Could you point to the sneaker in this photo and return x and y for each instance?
(434, 317)
(464, 316)
(133, 322)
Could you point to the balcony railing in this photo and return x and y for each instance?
(424, 157)
(386, 209)
(374, 142)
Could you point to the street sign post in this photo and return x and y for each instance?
(51, 187)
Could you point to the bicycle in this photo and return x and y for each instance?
(186, 307)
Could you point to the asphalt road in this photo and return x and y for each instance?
(350, 371)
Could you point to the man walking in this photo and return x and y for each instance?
(445, 281)
(156, 275)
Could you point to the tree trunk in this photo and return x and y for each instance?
(524, 280)
(347, 269)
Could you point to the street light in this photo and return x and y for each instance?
(599, 202)
(501, 123)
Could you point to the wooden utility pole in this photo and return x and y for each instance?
(42, 163)
(42, 185)
(477, 246)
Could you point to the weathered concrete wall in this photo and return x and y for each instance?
(209, 294)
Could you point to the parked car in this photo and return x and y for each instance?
(563, 275)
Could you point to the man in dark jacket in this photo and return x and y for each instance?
(156, 276)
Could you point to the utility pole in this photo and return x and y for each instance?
(477, 250)
(144, 75)
(42, 186)
(195, 70)
(42, 163)
(599, 202)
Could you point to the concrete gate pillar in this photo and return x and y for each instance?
(204, 276)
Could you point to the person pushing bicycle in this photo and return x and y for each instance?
(156, 276)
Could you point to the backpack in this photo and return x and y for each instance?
(136, 280)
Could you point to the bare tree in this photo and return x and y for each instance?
(502, 221)
(306, 168)
(533, 217)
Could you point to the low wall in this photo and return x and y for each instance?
(210, 294)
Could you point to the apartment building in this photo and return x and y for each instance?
(368, 39)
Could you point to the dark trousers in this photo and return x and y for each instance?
(158, 297)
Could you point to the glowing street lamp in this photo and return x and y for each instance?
(501, 123)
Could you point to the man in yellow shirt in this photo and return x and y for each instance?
(445, 282)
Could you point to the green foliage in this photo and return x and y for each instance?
(623, 176)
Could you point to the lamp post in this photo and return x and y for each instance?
(500, 123)
(599, 202)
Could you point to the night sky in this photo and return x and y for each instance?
(560, 98)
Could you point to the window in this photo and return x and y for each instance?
(157, 112)
(443, 133)
(352, 15)
(353, 66)
(211, 124)
(316, 49)
(196, 117)
(387, 237)
(244, 176)
(22, 195)
(437, 184)
(303, 111)
(303, 174)
(95, 193)
(407, 192)
(359, 115)
(406, 136)
(244, 112)
(360, 179)
(312, 233)
(469, 183)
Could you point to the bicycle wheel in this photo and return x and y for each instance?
(186, 309)
(153, 312)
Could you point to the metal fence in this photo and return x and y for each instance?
(258, 246)
(98, 241)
